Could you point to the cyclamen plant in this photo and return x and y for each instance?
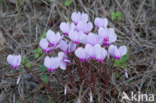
(87, 48)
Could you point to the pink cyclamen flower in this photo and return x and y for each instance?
(75, 36)
(92, 39)
(65, 27)
(53, 38)
(81, 54)
(14, 60)
(101, 22)
(90, 50)
(85, 27)
(117, 53)
(63, 60)
(51, 63)
(67, 48)
(44, 44)
(108, 35)
(76, 17)
(100, 53)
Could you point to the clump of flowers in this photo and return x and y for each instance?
(85, 46)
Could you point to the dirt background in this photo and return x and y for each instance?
(21, 25)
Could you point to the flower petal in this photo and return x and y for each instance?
(73, 35)
(63, 65)
(105, 23)
(72, 46)
(64, 27)
(56, 62)
(80, 26)
(96, 21)
(91, 38)
(50, 35)
(18, 60)
(84, 17)
(75, 17)
(84, 40)
(63, 45)
(72, 26)
(123, 50)
(111, 50)
(44, 44)
(99, 39)
(10, 59)
(101, 32)
(47, 62)
(89, 26)
(61, 55)
(113, 39)
(97, 49)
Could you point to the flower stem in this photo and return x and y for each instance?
(95, 77)
(78, 69)
(63, 84)
(60, 77)
(99, 74)
(40, 81)
(107, 82)
(70, 77)
(90, 68)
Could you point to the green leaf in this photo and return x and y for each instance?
(119, 14)
(119, 87)
(119, 18)
(124, 59)
(43, 35)
(24, 60)
(113, 15)
(39, 50)
(67, 2)
(37, 55)
(50, 99)
(42, 100)
(28, 65)
(44, 77)
(116, 63)
(117, 75)
(42, 68)
(36, 51)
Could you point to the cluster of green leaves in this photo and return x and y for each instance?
(38, 52)
(68, 2)
(24, 61)
(119, 15)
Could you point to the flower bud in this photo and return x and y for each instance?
(91, 96)
(78, 101)
(65, 89)
(139, 95)
(18, 79)
(126, 73)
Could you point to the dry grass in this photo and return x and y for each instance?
(20, 35)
